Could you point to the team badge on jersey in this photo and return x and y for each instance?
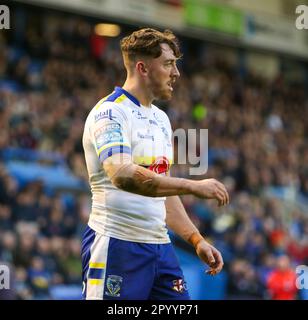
(113, 285)
(179, 285)
(160, 165)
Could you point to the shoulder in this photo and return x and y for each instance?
(111, 109)
(106, 109)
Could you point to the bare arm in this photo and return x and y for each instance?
(178, 221)
(130, 177)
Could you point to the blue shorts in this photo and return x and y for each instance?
(114, 269)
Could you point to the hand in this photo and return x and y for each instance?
(211, 189)
(211, 256)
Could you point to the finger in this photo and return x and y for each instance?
(220, 197)
(211, 272)
(209, 257)
(224, 191)
(219, 261)
(227, 195)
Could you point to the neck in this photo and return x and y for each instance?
(139, 90)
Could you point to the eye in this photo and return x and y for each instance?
(169, 63)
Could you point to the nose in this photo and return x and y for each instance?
(175, 72)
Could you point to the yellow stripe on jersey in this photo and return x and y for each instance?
(143, 160)
(100, 102)
(121, 98)
(97, 265)
(146, 161)
(104, 147)
(95, 282)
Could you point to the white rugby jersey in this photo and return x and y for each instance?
(120, 124)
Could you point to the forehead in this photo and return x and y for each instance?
(166, 52)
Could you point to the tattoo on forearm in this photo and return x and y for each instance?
(139, 183)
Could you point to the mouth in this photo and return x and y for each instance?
(169, 84)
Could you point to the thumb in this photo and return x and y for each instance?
(211, 258)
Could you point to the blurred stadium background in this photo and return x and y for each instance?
(244, 78)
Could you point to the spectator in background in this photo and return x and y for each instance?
(39, 278)
(22, 286)
(281, 283)
(243, 282)
(8, 243)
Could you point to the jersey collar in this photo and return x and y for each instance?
(128, 95)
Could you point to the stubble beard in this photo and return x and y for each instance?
(161, 91)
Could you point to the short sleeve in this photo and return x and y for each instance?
(110, 131)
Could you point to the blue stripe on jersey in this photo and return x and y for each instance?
(96, 273)
(113, 96)
(128, 95)
(118, 91)
(113, 150)
(88, 239)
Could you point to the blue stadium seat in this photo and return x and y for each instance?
(55, 177)
(66, 292)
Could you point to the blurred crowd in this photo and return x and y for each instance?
(54, 70)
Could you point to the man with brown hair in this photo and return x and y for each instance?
(126, 250)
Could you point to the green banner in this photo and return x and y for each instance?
(220, 18)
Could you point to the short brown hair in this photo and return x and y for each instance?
(146, 42)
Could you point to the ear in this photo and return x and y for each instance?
(141, 68)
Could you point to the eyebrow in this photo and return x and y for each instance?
(171, 60)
